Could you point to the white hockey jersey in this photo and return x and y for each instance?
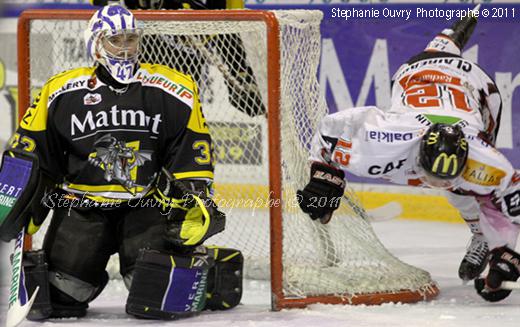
(369, 142)
(432, 87)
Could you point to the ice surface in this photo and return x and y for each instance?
(436, 247)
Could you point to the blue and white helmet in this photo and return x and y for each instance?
(112, 39)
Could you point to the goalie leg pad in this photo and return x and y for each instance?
(168, 286)
(37, 275)
(225, 279)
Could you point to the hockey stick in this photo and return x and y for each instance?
(387, 211)
(18, 305)
(510, 285)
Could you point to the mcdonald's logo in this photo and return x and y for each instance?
(446, 162)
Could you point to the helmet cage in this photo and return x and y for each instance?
(119, 45)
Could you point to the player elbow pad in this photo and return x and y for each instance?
(22, 187)
(509, 200)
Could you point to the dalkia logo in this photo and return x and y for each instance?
(92, 99)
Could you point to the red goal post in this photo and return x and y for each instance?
(284, 293)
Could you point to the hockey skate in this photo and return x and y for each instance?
(475, 260)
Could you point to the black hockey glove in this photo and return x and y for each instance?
(504, 265)
(322, 195)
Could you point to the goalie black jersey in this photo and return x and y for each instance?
(104, 144)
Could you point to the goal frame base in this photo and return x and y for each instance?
(430, 292)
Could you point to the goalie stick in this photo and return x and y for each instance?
(19, 304)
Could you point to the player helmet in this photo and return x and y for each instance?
(112, 39)
(442, 155)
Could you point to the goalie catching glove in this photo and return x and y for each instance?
(504, 265)
(192, 216)
(322, 195)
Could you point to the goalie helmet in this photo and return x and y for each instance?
(112, 39)
(442, 155)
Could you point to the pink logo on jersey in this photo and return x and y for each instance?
(92, 99)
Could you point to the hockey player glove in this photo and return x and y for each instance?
(322, 195)
(192, 216)
(504, 265)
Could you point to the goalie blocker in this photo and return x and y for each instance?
(22, 188)
(174, 286)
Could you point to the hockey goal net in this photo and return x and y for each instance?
(245, 61)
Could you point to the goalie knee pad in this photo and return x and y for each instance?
(37, 275)
(225, 279)
(168, 286)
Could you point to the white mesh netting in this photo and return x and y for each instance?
(229, 62)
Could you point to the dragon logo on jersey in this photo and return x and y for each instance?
(119, 160)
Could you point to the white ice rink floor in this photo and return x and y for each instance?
(436, 247)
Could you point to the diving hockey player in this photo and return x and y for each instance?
(122, 153)
(439, 132)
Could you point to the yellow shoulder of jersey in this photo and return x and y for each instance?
(57, 81)
(171, 74)
(197, 122)
(35, 118)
